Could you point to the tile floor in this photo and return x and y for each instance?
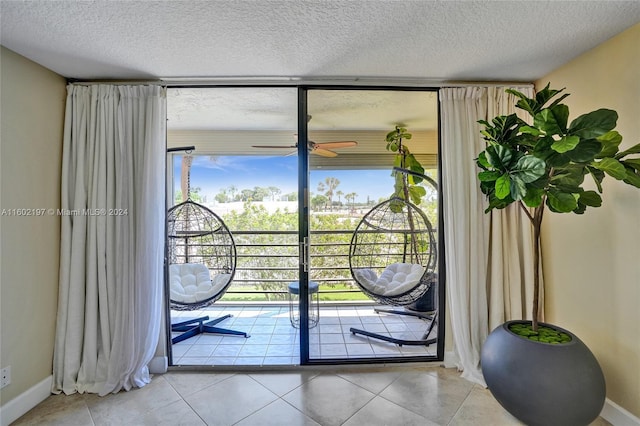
(274, 341)
(353, 396)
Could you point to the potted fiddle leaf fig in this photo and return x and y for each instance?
(544, 165)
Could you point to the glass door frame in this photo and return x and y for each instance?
(304, 232)
(304, 236)
(303, 225)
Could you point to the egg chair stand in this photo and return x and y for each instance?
(432, 320)
(201, 265)
(392, 258)
(193, 326)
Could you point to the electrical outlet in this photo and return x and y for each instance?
(5, 377)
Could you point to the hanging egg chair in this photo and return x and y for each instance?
(392, 255)
(201, 256)
(393, 259)
(201, 252)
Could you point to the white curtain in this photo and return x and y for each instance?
(489, 265)
(112, 238)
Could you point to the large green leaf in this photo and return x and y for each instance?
(531, 131)
(558, 160)
(518, 188)
(533, 197)
(594, 124)
(414, 165)
(489, 176)
(496, 203)
(529, 168)
(503, 186)
(612, 167)
(526, 103)
(634, 163)
(633, 177)
(590, 198)
(581, 208)
(499, 156)
(565, 144)
(568, 176)
(416, 193)
(610, 142)
(633, 150)
(488, 187)
(482, 161)
(586, 151)
(561, 202)
(552, 121)
(542, 148)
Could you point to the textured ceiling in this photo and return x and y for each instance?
(436, 40)
(349, 42)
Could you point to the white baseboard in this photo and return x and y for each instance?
(618, 416)
(20, 405)
(158, 365)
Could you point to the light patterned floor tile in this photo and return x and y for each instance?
(231, 400)
(329, 400)
(379, 411)
(393, 395)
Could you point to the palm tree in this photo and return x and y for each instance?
(351, 196)
(331, 184)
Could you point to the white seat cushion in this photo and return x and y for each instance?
(192, 282)
(396, 278)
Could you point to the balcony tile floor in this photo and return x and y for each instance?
(274, 341)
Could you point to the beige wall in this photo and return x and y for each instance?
(31, 121)
(592, 262)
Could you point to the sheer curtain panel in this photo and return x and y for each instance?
(489, 256)
(112, 238)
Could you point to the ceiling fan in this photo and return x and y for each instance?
(324, 149)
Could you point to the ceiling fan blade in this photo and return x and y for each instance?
(336, 144)
(323, 152)
(274, 146)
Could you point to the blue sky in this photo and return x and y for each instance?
(212, 174)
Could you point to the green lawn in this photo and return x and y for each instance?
(327, 294)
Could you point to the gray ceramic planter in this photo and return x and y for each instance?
(541, 383)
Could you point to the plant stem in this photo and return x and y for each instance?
(405, 190)
(537, 225)
(526, 211)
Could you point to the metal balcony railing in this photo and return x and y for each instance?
(269, 260)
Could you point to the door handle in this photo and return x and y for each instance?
(304, 254)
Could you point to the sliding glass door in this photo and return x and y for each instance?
(244, 168)
(361, 247)
(294, 174)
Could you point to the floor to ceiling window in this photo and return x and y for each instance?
(244, 168)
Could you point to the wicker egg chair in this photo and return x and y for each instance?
(201, 265)
(393, 259)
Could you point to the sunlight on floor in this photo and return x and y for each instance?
(274, 341)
